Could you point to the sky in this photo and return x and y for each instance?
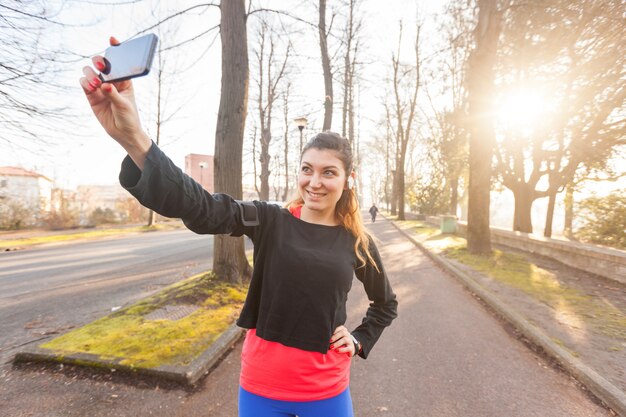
(84, 154)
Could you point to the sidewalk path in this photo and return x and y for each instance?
(445, 355)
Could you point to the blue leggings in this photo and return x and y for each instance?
(251, 405)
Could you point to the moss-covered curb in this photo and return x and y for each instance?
(142, 338)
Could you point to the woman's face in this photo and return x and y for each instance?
(321, 180)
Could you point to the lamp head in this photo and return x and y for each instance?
(301, 122)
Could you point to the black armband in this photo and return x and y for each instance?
(249, 213)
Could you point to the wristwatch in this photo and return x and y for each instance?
(357, 345)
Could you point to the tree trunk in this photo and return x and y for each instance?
(286, 141)
(328, 76)
(254, 168)
(454, 195)
(151, 213)
(351, 136)
(266, 136)
(569, 211)
(547, 231)
(346, 89)
(482, 137)
(522, 219)
(404, 117)
(347, 77)
(401, 186)
(394, 192)
(387, 170)
(229, 259)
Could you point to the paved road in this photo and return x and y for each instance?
(49, 289)
(444, 356)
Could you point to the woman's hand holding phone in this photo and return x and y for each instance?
(114, 106)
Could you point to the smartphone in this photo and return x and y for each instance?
(129, 59)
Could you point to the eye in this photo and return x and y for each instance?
(330, 173)
(305, 169)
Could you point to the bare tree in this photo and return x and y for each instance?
(272, 65)
(30, 70)
(351, 45)
(454, 140)
(326, 66)
(167, 75)
(405, 84)
(391, 189)
(377, 161)
(482, 138)
(255, 170)
(229, 259)
(287, 123)
(390, 197)
(443, 159)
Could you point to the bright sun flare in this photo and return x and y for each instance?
(521, 109)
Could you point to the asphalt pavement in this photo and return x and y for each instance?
(46, 290)
(445, 355)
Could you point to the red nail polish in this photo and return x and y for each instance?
(332, 346)
(100, 66)
(95, 81)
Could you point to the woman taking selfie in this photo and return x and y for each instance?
(297, 352)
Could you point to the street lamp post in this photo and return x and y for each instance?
(301, 123)
(202, 166)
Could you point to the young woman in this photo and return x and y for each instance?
(297, 352)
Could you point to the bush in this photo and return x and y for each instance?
(131, 211)
(61, 219)
(604, 220)
(15, 215)
(100, 216)
(428, 199)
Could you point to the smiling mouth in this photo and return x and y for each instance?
(315, 195)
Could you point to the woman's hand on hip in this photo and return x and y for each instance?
(341, 342)
(114, 106)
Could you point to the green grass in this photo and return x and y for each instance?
(92, 234)
(127, 337)
(570, 304)
(420, 228)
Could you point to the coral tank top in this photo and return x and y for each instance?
(280, 372)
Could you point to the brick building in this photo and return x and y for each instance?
(200, 168)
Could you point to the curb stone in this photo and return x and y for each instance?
(187, 375)
(612, 396)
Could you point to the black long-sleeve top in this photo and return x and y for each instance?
(302, 272)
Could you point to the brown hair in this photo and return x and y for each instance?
(347, 208)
